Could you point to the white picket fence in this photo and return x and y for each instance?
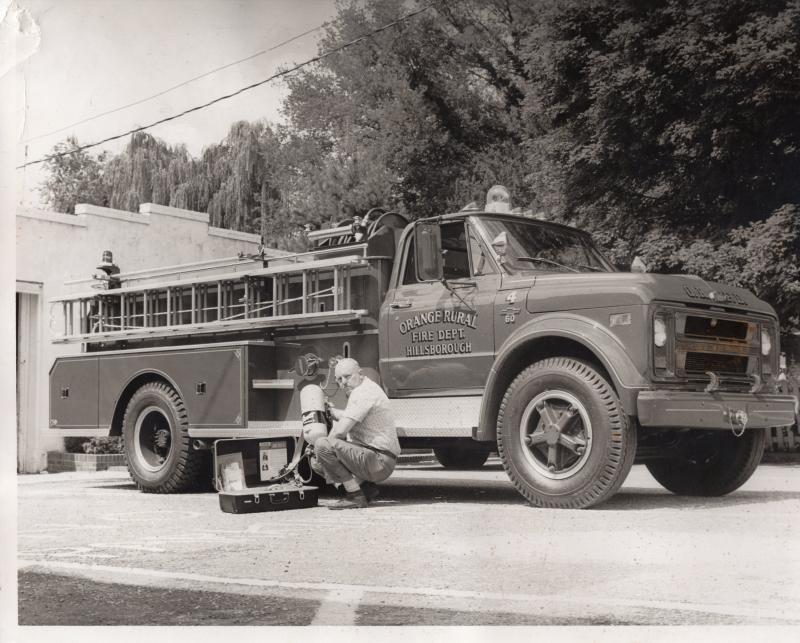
(784, 439)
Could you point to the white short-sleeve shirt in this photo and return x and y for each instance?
(369, 407)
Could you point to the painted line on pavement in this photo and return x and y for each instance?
(339, 607)
(346, 592)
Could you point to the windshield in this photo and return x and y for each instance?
(521, 246)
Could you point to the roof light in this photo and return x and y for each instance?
(498, 199)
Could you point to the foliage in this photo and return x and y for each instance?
(667, 113)
(426, 111)
(74, 178)
(101, 445)
(95, 445)
(74, 445)
(762, 257)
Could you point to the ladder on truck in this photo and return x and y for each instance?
(301, 290)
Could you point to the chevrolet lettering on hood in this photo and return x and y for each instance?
(718, 296)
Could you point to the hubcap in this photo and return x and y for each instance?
(152, 438)
(556, 434)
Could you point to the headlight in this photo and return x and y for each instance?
(659, 331)
(766, 342)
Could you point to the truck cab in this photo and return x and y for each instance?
(581, 368)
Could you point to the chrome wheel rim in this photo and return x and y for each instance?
(555, 434)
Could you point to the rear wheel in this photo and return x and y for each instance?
(158, 451)
(710, 463)
(461, 457)
(562, 435)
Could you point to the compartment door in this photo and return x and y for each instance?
(74, 393)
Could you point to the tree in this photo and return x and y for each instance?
(74, 176)
(666, 114)
(431, 105)
(148, 171)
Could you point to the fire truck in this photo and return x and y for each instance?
(488, 330)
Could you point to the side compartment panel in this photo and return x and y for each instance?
(211, 381)
(73, 393)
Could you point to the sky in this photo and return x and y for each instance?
(92, 56)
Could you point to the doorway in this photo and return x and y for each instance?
(28, 303)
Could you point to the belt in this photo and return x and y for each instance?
(388, 454)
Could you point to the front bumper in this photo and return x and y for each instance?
(718, 410)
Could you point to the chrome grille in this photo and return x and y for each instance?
(716, 329)
(723, 344)
(721, 364)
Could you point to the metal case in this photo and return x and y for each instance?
(244, 475)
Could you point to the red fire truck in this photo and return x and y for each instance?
(489, 331)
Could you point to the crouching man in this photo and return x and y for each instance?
(362, 447)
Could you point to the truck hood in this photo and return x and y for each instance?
(555, 292)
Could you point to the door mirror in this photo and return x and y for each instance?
(428, 244)
(500, 244)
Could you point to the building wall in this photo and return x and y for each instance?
(54, 249)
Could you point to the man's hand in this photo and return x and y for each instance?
(342, 427)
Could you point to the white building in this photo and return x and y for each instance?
(58, 253)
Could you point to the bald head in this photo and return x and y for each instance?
(348, 374)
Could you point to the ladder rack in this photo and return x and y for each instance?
(308, 292)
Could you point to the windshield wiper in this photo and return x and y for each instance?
(549, 261)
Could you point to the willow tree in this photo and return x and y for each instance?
(141, 173)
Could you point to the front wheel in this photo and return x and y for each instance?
(562, 435)
(710, 463)
(158, 452)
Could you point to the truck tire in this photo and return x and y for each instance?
(562, 435)
(710, 463)
(461, 457)
(158, 451)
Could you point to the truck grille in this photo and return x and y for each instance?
(716, 329)
(722, 364)
(723, 344)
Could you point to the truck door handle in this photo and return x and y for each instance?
(400, 304)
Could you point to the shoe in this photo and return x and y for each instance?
(370, 490)
(354, 500)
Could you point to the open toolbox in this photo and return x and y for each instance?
(246, 475)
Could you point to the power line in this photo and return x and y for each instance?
(178, 86)
(197, 108)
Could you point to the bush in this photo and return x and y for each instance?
(74, 445)
(93, 445)
(103, 445)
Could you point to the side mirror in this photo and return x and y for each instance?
(637, 265)
(428, 244)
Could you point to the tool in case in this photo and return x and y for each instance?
(256, 475)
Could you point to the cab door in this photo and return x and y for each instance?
(441, 334)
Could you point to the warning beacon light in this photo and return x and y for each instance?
(110, 269)
(498, 199)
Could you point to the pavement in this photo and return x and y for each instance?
(438, 548)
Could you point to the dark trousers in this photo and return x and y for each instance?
(338, 460)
